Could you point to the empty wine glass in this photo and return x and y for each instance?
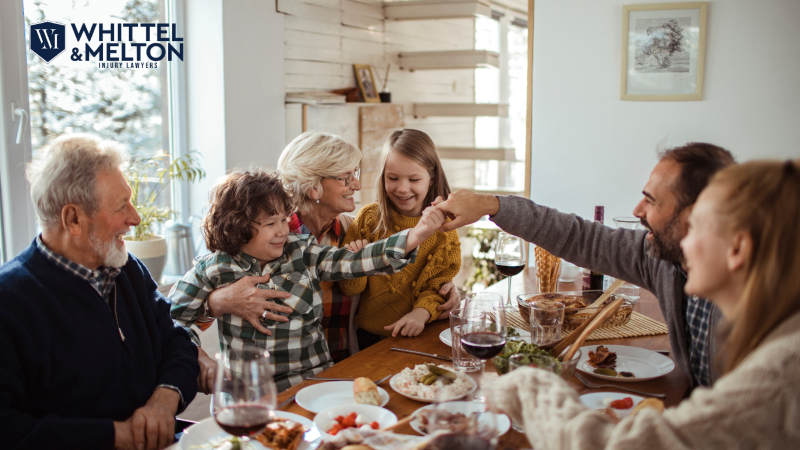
(244, 392)
(483, 329)
(509, 257)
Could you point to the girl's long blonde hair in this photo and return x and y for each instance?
(762, 198)
(418, 147)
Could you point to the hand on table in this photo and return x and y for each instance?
(153, 425)
(208, 372)
(450, 292)
(411, 324)
(245, 300)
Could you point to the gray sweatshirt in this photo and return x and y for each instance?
(616, 252)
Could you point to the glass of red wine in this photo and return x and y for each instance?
(509, 257)
(483, 330)
(244, 392)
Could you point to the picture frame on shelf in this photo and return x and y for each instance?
(663, 51)
(366, 83)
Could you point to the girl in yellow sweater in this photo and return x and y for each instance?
(410, 179)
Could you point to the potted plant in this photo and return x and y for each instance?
(148, 176)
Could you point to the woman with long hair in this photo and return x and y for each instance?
(743, 253)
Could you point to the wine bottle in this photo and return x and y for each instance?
(596, 279)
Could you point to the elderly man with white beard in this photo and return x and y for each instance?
(91, 357)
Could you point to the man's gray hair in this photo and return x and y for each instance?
(66, 173)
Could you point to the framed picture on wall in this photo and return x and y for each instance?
(366, 83)
(663, 51)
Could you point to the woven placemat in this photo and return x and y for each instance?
(639, 325)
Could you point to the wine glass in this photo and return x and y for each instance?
(483, 330)
(244, 392)
(509, 257)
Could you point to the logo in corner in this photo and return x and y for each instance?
(48, 39)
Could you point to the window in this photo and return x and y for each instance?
(507, 36)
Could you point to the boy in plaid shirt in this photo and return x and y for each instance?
(247, 231)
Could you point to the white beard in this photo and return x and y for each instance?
(112, 256)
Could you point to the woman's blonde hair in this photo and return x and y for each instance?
(311, 157)
(762, 198)
(418, 147)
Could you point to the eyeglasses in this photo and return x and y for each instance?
(355, 175)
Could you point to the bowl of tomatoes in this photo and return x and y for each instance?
(337, 418)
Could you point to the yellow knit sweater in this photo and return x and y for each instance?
(385, 299)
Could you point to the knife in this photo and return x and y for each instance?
(285, 402)
(430, 355)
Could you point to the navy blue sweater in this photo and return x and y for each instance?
(65, 371)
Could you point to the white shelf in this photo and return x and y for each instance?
(497, 154)
(455, 59)
(460, 110)
(435, 9)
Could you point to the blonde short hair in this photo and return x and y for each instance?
(65, 172)
(311, 157)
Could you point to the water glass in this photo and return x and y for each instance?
(547, 317)
(462, 361)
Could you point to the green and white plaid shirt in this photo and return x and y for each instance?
(298, 348)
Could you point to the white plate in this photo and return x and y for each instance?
(466, 408)
(644, 364)
(595, 401)
(325, 395)
(393, 384)
(204, 434)
(447, 337)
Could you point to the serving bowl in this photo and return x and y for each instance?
(574, 316)
(562, 369)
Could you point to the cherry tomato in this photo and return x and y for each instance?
(339, 419)
(349, 422)
(624, 403)
(336, 428)
(375, 425)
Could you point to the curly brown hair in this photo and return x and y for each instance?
(242, 197)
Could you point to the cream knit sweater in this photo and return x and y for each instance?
(756, 406)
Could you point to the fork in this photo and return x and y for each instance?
(591, 385)
(347, 379)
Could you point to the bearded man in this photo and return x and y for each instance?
(91, 357)
(651, 259)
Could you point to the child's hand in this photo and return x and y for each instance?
(430, 222)
(411, 324)
(356, 245)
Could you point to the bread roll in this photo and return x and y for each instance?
(652, 403)
(366, 392)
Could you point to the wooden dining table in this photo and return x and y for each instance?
(379, 361)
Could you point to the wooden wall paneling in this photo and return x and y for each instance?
(376, 123)
(296, 8)
(312, 25)
(294, 37)
(306, 53)
(363, 9)
(359, 21)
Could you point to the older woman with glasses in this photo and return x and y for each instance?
(321, 172)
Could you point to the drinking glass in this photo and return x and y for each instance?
(462, 425)
(628, 223)
(462, 361)
(244, 392)
(483, 329)
(509, 257)
(547, 317)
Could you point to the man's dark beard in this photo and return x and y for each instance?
(666, 244)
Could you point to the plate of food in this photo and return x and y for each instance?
(623, 363)
(287, 432)
(363, 417)
(458, 414)
(424, 382)
(322, 396)
(446, 336)
(619, 406)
